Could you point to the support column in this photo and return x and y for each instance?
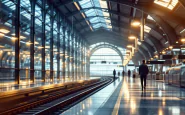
(88, 66)
(64, 54)
(51, 45)
(84, 63)
(72, 55)
(17, 42)
(76, 57)
(142, 27)
(58, 47)
(68, 53)
(32, 38)
(43, 40)
(81, 61)
(88, 63)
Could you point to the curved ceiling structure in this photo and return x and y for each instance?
(107, 45)
(110, 21)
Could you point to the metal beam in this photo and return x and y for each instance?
(68, 53)
(119, 39)
(84, 10)
(88, 18)
(32, 39)
(64, 54)
(58, 46)
(148, 47)
(76, 57)
(72, 55)
(106, 46)
(182, 3)
(151, 8)
(61, 4)
(156, 11)
(43, 39)
(17, 42)
(170, 32)
(51, 43)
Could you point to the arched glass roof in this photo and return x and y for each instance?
(100, 18)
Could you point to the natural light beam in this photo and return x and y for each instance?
(170, 4)
(103, 4)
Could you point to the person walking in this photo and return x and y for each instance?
(123, 73)
(143, 71)
(114, 73)
(134, 73)
(129, 72)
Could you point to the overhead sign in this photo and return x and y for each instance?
(131, 65)
(103, 62)
(166, 56)
(155, 62)
(181, 56)
(160, 62)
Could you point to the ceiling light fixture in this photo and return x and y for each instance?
(129, 46)
(1, 34)
(132, 37)
(13, 38)
(183, 40)
(136, 23)
(5, 31)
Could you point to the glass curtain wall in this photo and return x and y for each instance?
(38, 42)
(7, 43)
(25, 20)
(66, 55)
(61, 50)
(47, 44)
(103, 61)
(32, 40)
(55, 49)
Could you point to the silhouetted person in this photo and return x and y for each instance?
(143, 71)
(118, 73)
(114, 73)
(134, 73)
(129, 72)
(123, 73)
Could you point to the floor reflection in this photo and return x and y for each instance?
(157, 99)
(90, 105)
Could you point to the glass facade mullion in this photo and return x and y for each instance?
(36, 48)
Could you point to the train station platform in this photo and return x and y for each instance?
(125, 97)
(26, 85)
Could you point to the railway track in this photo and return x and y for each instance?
(50, 103)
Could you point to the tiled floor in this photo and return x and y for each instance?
(124, 97)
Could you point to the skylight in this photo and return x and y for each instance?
(103, 4)
(150, 18)
(100, 16)
(147, 29)
(170, 4)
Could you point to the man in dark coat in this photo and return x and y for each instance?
(114, 73)
(129, 72)
(143, 71)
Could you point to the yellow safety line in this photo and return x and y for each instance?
(117, 105)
